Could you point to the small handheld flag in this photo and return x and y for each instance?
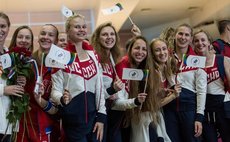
(131, 20)
(134, 74)
(39, 78)
(66, 11)
(6, 61)
(113, 64)
(61, 55)
(36, 88)
(194, 61)
(114, 9)
(53, 64)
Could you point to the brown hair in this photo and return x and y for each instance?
(151, 103)
(185, 25)
(4, 16)
(222, 24)
(101, 50)
(56, 29)
(14, 37)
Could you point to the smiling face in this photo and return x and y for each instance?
(62, 40)
(4, 30)
(77, 31)
(160, 51)
(139, 51)
(183, 37)
(201, 43)
(47, 37)
(24, 38)
(107, 37)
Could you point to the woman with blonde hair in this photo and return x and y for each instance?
(188, 107)
(78, 88)
(165, 67)
(218, 74)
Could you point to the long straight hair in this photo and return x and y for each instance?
(14, 37)
(151, 103)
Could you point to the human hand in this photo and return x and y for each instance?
(41, 91)
(198, 128)
(99, 128)
(118, 84)
(113, 97)
(141, 97)
(177, 89)
(66, 97)
(135, 30)
(13, 90)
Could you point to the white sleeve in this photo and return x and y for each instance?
(171, 80)
(1, 90)
(57, 86)
(201, 90)
(122, 102)
(100, 98)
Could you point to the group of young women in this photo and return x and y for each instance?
(89, 101)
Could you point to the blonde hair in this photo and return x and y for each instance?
(206, 33)
(67, 23)
(168, 35)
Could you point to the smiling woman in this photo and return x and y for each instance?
(7, 90)
(22, 37)
(82, 110)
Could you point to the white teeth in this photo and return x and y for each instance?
(109, 42)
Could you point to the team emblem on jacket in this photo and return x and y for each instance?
(107, 70)
(213, 75)
(85, 69)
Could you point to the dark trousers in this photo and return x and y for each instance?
(115, 132)
(153, 135)
(7, 138)
(180, 125)
(215, 122)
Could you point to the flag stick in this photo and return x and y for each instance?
(42, 65)
(181, 66)
(146, 82)
(40, 77)
(67, 84)
(113, 64)
(131, 20)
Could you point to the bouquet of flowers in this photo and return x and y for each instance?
(20, 67)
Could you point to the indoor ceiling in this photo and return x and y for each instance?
(144, 13)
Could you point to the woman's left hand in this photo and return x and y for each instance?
(141, 97)
(41, 91)
(118, 84)
(99, 128)
(135, 30)
(198, 128)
